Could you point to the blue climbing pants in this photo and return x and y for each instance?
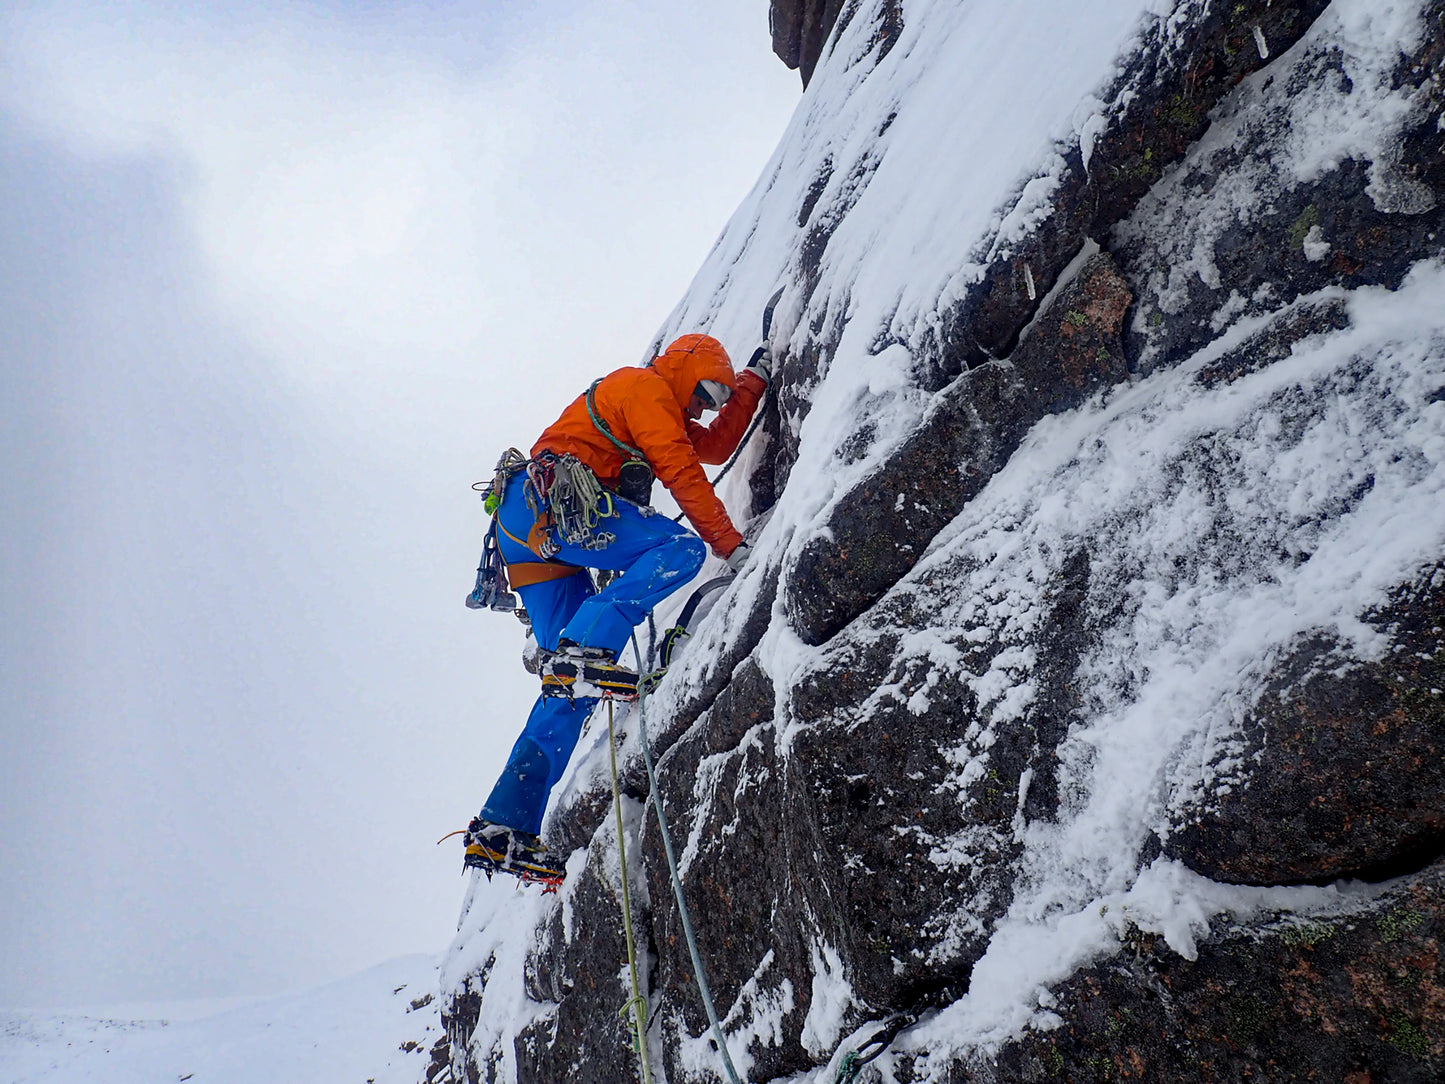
(656, 557)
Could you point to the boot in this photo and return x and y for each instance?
(578, 673)
(495, 848)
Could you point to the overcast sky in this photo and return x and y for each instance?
(277, 284)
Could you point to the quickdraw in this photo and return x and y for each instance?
(492, 592)
(511, 462)
(889, 1028)
(882, 1037)
(679, 632)
(564, 489)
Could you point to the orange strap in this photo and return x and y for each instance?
(534, 538)
(526, 573)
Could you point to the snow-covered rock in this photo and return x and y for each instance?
(1098, 521)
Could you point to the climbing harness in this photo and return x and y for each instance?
(697, 968)
(569, 504)
(634, 479)
(637, 1005)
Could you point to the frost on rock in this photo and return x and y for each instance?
(1317, 170)
(1315, 246)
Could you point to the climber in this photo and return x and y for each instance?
(582, 502)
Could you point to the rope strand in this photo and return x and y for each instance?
(697, 969)
(742, 444)
(637, 1004)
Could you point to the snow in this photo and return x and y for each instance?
(359, 1029)
(1224, 520)
(1009, 986)
(1348, 109)
(1242, 486)
(488, 956)
(968, 155)
(832, 998)
(1315, 246)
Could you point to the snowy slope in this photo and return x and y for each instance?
(364, 1028)
(1232, 503)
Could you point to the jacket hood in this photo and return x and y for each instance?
(692, 358)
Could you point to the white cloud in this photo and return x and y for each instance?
(339, 203)
(354, 206)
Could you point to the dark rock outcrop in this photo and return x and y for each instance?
(1346, 760)
(1359, 222)
(584, 1038)
(1358, 998)
(1166, 96)
(800, 29)
(879, 529)
(571, 826)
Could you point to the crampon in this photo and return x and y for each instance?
(494, 848)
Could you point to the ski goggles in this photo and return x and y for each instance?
(713, 392)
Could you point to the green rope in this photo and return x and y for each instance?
(697, 970)
(637, 1004)
(606, 430)
(752, 428)
(851, 1066)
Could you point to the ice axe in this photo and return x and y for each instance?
(768, 322)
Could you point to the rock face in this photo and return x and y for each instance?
(1355, 997)
(881, 527)
(1086, 701)
(1169, 89)
(1347, 757)
(800, 30)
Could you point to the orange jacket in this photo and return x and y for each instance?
(645, 408)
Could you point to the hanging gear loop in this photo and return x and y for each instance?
(569, 502)
(492, 591)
